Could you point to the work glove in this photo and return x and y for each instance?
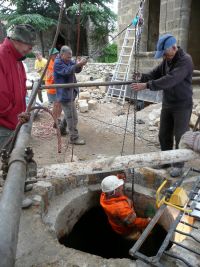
(191, 140)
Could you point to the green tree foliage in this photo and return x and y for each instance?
(100, 15)
(108, 54)
(42, 14)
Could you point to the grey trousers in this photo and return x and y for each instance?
(5, 133)
(173, 124)
(71, 116)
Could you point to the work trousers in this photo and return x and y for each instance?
(173, 124)
(5, 134)
(71, 116)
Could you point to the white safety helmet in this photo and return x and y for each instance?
(110, 183)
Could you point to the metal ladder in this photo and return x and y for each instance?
(194, 203)
(122, 68)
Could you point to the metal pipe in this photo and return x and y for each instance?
(93, 84)
(87, 84)
(11, 200)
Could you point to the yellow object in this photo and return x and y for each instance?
(40, 65)
(177, 200)
(160, 201)
(179, 197)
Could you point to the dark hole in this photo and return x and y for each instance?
(93, 234)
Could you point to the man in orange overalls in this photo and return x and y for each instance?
(119, 209)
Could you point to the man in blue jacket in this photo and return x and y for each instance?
(64, 72)
(174, 76)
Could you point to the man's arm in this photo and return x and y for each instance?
(129, 218)
(173, 77)
(155, 74)
(80, 64)
(64, 69)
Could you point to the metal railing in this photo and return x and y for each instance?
(12, 196)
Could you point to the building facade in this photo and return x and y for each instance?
(179, 17)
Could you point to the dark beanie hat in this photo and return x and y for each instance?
(24, 33)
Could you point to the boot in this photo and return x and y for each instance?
(176, 172)
(77, 141)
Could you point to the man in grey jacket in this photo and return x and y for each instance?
(174, 76)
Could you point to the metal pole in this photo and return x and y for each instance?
(87, 84)
(93, 84)
(11, 200)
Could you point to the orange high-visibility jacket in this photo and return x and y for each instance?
(121, 214)
(49, 78)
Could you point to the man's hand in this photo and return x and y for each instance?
(149, 219)
(138, 86)
(82, 62)
(24, 117)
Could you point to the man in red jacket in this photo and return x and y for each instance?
(120, 210)
(13, 78)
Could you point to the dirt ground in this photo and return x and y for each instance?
(103, 130)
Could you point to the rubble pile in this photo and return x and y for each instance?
(98, 70)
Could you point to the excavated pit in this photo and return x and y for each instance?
(93, 234)
(76, 229)
(80, 223)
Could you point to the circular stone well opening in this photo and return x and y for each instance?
(82, 225)
(93, 234)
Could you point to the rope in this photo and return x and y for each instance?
(138, 23)
(55, 121)
(78, 30)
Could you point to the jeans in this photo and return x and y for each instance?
(71, 116)
(5, 134)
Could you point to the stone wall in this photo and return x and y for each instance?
(93, 70)
(174, 17)
(179, 17)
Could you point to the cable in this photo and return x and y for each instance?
(117, 126)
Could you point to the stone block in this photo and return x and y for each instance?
(37, 200)
(193, 120)
(103, 88)
(84, 95)
(83, 106)
(44, 184)
(92, 104)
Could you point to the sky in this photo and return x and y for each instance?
(114, 6)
